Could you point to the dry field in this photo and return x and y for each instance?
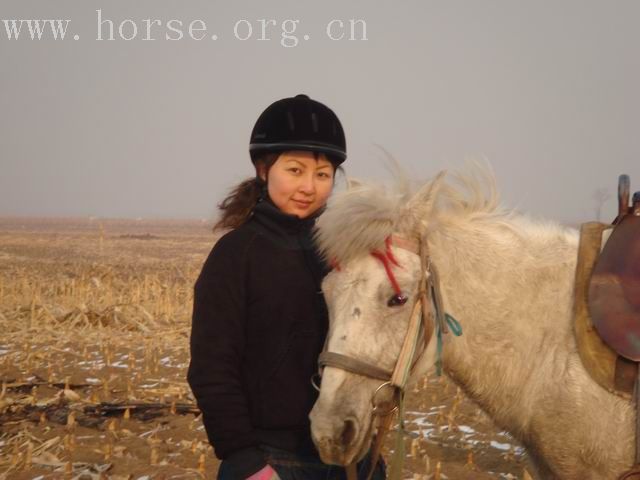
(95, 321)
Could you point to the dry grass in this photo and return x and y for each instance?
(92, 314)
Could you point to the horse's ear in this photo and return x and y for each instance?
(420, 205)
(353, 183)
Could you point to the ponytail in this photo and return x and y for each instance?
(236, 208)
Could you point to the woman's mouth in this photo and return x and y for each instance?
(302, 204)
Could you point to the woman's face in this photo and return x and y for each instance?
(298, 184)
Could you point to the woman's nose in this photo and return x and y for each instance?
(308, 184)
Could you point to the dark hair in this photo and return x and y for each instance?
(236, 208)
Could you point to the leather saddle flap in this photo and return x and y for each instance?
(614, 290)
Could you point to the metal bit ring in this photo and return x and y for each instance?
(376, 409)
(316, 384)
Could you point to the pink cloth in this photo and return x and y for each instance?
(267, 473)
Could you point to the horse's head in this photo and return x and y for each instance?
(373, 238)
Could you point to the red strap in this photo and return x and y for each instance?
(385, 258)
(334, 264)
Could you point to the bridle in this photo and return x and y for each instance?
(427, 317)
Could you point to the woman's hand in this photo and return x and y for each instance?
(267, 473)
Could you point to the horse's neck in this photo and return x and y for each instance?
(512, 295)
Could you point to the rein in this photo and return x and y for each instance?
(427, 317)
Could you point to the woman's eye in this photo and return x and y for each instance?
(294, 170)
(324, 174)
(397, 300)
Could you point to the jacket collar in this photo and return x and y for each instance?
(268, 214)
(290, 232)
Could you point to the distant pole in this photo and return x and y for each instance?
(600, 196)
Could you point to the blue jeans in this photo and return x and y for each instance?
(291, 466)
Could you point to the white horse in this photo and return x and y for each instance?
(508, 280)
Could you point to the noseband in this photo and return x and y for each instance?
(427, 307)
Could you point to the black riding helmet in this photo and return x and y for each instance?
(298, 123)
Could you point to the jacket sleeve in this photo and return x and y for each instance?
(217, 348)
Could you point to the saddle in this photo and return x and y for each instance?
(607, 304)
(607, 297)
(614, 289)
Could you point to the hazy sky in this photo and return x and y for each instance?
(548, 91)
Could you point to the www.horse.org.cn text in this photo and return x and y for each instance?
(287, 31)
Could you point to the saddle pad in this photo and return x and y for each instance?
(597, 357)
(614, 290)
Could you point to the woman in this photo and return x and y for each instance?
(259, 317)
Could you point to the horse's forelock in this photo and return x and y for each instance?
(359, 219)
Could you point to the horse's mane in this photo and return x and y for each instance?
(359, 219)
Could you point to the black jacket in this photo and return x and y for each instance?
(259, 323)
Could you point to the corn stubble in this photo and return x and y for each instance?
(93, 321)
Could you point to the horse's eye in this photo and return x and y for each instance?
(397, 300)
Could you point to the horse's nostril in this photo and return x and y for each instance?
(348, 433)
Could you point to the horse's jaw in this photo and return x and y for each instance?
(341, 419)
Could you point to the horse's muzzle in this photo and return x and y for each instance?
(338, 441)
